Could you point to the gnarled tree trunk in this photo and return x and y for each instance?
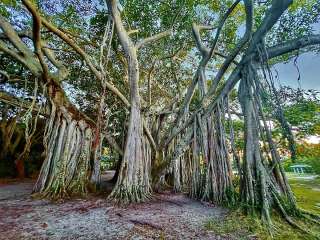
(67, 140)
(133, 183)
(264, 185)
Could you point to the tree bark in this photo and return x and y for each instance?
(68, 140)
(264, 185)
(133, 181)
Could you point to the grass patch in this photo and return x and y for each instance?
(238, 226)
(307, 193)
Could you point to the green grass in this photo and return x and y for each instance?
(235, 225)
(307, 193)
(238, 226)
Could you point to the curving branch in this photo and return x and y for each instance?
(246, 37)
(133, 31)
(292, 45)
(73, 45)
(153, 38)
(196, 34)
(271, 17)
(21, 52)
(113, 143)
(86, 58)
(5, 75)
(13, 37)
(220, 26)
(37, 36)
(62, 72)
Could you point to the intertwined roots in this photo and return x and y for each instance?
(66, 167)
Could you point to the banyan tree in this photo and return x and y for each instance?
(158, 81)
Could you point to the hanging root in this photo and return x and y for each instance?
(218, 183)
(264, 185)
(289, 219)
(65, 171)
(195, 190)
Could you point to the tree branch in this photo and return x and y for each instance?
(271, 17)
(113, 143)
(86, 58)
(5, 75)
(220, 26)
(292, 45)
(133, 31)
(37, 36)
(246, 37)
(11, 34)
(62, 70)
(153, 38)
(24, 54)
(196, 34)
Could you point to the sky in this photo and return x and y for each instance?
(309, 68)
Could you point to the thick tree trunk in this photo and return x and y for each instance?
(264, 185)
(196, 175)
(68, 141)
(133, 180)
(133, 183)
(218, 182)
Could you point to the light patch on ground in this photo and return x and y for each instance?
(166, 216)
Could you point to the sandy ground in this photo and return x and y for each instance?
(166, 216)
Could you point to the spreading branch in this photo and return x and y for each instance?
(37, 36)
(20, 103)
(153, 38)
(246, 37)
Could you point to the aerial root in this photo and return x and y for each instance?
(289, 220)
(130, 194)
(312, 217)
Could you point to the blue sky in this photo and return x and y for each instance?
(309, 67)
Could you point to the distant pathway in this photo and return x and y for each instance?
(166, 216)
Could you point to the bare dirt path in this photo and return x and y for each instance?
(166, 216)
